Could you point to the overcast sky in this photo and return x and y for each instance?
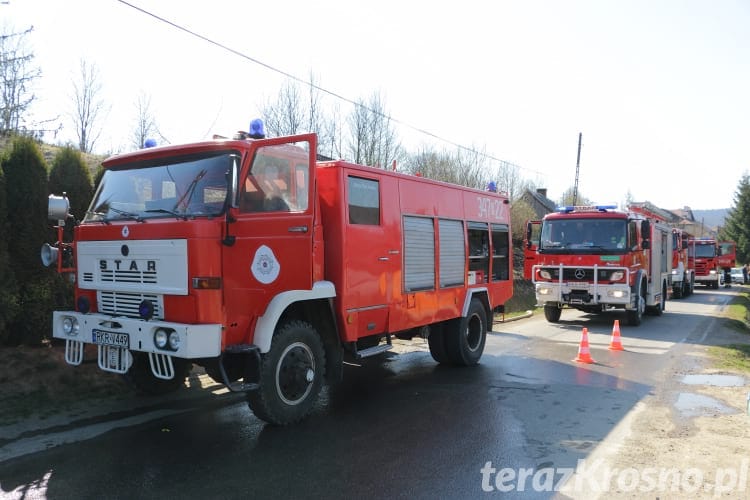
(658, 88)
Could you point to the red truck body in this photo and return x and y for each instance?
(269, 268)
(597, 258)
(683, 274)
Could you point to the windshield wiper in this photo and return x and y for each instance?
(190, 191)
(166, 211)
(103, 216)
(128, 215)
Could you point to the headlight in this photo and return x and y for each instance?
(160, 338)
(544, 291)
(174, 341)
(70, 326)
(545, 274)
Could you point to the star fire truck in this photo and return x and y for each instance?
(251, 258)
(712, 260)
(598, 258)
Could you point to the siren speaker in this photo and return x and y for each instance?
(49, 254)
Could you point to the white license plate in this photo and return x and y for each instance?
(110, 338)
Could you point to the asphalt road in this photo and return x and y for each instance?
(399, 426)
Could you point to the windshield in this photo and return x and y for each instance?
(172, 187)
(708, 250)
(583, 234)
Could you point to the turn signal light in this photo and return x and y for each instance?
(207, 283)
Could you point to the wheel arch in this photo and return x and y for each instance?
(483, 296)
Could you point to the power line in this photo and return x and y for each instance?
(319, 88)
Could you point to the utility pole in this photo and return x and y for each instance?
(578, 163)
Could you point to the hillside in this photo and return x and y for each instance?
(49, 151)
(711, 218)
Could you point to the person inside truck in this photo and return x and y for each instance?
(275, 190)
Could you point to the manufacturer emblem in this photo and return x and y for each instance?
(125, 231)
(580, 274)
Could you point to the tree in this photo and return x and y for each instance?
(88, 106)
(25, 170)
(69, 174)
(145, 123)
(9, 306)
(456, 167)
(292, 112)
(17, 75)
(372, 138)
(286, 114)
(737, 224)
(568, 196)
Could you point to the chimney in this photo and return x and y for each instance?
(542, 191)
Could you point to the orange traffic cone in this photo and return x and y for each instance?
(616, 342)
(584, 355)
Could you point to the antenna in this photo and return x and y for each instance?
(578, 163)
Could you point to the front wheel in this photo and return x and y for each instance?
(552, 313)
(291, 375)
(635, 316)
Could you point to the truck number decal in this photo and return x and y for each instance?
(265, 268)
(490, 207)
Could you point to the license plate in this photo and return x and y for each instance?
(111, 338)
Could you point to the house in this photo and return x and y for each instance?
(539, 202)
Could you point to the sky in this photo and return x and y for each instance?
(658, 89)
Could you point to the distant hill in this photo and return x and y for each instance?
(712, 218)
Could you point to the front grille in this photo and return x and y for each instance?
(126, 304)
(580, 273)
(126, 276)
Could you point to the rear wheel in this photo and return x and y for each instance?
(436, 341)
(465, 337)
(552, 313)
(291, 375)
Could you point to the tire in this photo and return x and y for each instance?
(679, 291)
(465, 337)
(291, 375)
(552, 313)
(139, 376)
(635, 317)
(436, 341)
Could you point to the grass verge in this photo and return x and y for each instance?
(735, 357)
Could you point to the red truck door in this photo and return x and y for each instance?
(530, 246)
(273, 228)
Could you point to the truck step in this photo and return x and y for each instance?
(373, 351)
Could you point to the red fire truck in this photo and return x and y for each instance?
(268, 268)
(597, 258)
(712, 259)
(683, 275)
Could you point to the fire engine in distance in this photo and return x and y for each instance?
(598, 258)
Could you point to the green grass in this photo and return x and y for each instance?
(735, 357)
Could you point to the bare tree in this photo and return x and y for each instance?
(292, 112)
(285, 115)
(145, 123)
(88, 106)
(17, 75)
(372, 137)
(458, 167)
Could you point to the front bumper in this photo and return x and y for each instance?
(117, 336)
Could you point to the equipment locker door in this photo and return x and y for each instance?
(372, 252)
